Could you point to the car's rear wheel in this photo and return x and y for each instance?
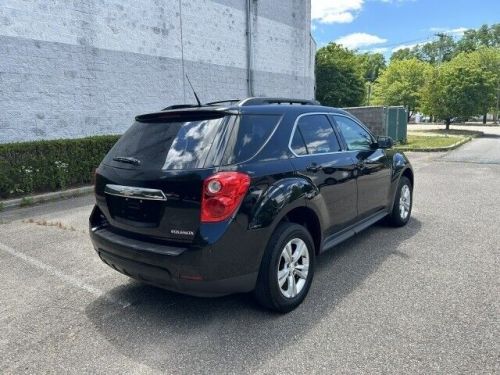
(287, 268)
(403, 202)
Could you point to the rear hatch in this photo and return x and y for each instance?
(151, 181)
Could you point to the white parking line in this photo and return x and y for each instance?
(62, 276)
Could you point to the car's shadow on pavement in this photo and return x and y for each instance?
(169, 331)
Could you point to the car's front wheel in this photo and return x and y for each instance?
(287, 268)
(403, 202)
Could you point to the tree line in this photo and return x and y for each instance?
(445, 78)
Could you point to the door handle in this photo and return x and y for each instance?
(314, 167)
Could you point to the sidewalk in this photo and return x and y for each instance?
(46, 197)
(485, 129)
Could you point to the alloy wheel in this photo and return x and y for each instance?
(404, 202)
(293, 268)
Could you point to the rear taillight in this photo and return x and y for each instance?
(222, 194)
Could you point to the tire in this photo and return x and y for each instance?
(271, 292)
(400, 216)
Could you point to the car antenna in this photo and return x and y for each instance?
(194, 92)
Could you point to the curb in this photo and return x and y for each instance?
(476, 134)
(47, 197)
(438, 149)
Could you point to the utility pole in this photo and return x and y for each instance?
(498, 105)
(441, 37)
(370, 93)
(370, 77)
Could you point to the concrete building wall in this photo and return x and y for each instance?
(76, 68)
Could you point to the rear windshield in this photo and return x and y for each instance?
(169, 145)
(193, 144)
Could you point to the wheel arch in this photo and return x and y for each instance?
(306, 217)
(400, 167)
(408, 173)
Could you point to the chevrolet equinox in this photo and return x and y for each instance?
(241, 196)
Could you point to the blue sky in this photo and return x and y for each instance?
(386, 25)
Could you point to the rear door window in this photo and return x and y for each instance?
(170, 145)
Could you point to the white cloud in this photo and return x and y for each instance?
(357, 40)
(341, 11)
(458, 31)
(335, 11)
(379, 50)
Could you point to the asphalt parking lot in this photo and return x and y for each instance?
(420, 299)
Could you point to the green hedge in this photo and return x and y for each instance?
(41, 166)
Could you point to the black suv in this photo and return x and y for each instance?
(241, 196)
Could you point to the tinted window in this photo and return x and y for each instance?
(170, 145)
(355, 136)
(298, 145)
(314, 135)
(249, 133)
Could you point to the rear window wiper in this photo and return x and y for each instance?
(127, 159)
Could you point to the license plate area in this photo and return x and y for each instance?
(143, 211)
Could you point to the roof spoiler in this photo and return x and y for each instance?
(184, 114)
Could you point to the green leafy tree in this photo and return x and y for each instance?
(403, 54)
(438, 51)
(445, 47)
(489, 61)
(371, 65)
(339, 77)
(485, 36)
(402, 84)
(462, 87)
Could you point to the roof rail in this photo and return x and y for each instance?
(247, 102)
(265, 100)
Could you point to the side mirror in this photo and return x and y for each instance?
(385, 142)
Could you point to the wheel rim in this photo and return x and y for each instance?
(405, 202)
(293, 268)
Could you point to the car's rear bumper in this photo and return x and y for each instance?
(186, 270)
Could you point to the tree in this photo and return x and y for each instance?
(445, 47)
(489, 61)
(485, 36)
(403, 54)
(462, 87)
(438, 51)
(371, 65)
(402, 83)
(339, 77)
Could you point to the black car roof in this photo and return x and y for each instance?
(285, 107)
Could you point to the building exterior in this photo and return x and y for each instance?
(70, 69)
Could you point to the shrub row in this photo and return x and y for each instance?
(41, 166)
